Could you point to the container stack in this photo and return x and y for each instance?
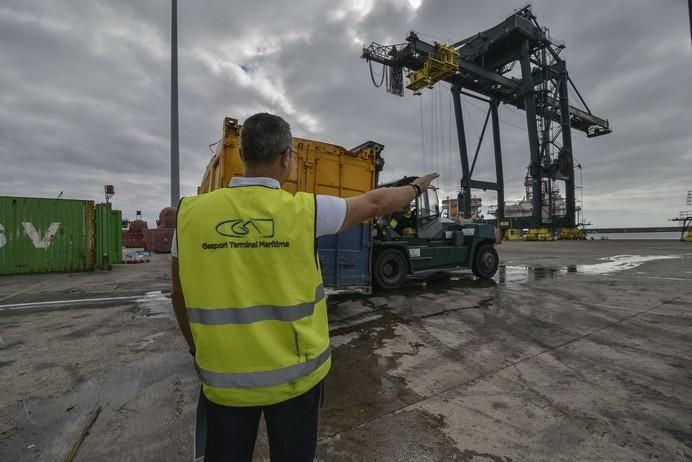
(39, 235)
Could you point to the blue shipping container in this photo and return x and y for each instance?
(345, 259)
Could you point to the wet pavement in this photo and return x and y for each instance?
(574, 351)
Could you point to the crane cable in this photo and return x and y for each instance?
(422, 133)
(434, 127)
(444, 154)
(451, 165)
(214, 144)
(455, 169)
(433, 141)
(470, 103)
(372, 75)
(448, 150)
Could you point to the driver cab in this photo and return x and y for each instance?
(428, 206)
(419, 219)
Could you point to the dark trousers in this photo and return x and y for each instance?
(291, 428)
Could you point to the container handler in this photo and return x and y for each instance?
(430, 242)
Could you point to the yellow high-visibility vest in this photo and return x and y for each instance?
(254, 294)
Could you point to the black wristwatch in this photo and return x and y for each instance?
(417, 188)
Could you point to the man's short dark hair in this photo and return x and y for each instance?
(263, 137)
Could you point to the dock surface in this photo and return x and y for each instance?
(576, 350)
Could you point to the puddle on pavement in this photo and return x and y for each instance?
(511, 274)
(155, 304)
(621, 263)
(362, 387)
(440, 280)
(517, 274)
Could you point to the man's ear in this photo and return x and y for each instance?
(285, 158)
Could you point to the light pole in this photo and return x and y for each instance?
(175, 161)
(689, 11)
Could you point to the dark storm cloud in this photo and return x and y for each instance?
(85, 89)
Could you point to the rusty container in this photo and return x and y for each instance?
(320, 168)
(133, 237)
(159, 240)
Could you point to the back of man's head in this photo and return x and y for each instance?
(263, 138)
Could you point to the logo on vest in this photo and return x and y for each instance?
(252, 228)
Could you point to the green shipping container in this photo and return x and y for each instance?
(109, 237)
(46, 235)
(117, 239)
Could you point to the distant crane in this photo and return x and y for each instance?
(685, 217)
(481, 67)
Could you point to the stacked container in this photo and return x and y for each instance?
(54, 235)
(109, 241)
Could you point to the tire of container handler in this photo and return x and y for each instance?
(485, 262)
(390, 269)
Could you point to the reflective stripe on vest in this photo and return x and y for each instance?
(255, 313)
(264, 378)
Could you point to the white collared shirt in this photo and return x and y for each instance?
(331, 210)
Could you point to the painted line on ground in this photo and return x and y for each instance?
(666, 278)
(33, 286)
(22, 306)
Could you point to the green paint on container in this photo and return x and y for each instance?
(46, 235)
(117, 236)
(109, 238)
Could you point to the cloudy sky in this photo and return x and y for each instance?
(84, 93)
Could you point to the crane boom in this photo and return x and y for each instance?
(486, 80)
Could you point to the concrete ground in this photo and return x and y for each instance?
(575, 351)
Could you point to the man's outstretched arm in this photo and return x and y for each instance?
(382, 201)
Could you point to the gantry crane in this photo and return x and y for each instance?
(481, 67)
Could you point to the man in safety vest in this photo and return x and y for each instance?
(249, 299)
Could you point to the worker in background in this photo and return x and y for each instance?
(403, 222)
(249, 299)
